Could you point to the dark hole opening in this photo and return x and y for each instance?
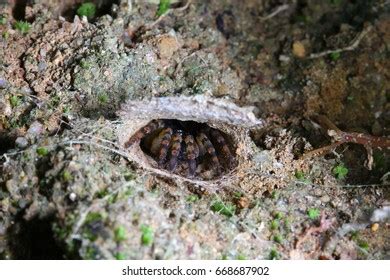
(19, 9)
(34, 240)
(103, 7)
(188, 148)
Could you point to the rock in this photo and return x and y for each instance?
(3, 83)
(374, 227)
(381, 215)
(325, 199)
(298, 49)
(167, 45)
(21, 142)
(5, 107)
(35, 129)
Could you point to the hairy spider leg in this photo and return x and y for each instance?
(160, 145)
(192, 152)
(177, 138)
(146, 130)
(207, 146)
(223, 146)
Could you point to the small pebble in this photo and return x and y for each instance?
(284, 58)
(35, 129)
(21, 142)
(72, 196)
(325, 199)
(243, 202)
(5, 108)
(374, 227)
(298, 49)
(3, 83)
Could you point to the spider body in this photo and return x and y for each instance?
(187, 148)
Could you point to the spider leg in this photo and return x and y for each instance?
(208, 147)
(146, 130)
(175, 151)
(192, 152)
(223, 146)
(160, 145)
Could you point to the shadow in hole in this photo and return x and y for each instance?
(19, 9)
(103, 7)
(7, 142)
(34, 240)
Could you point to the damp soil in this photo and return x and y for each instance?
(69, 189)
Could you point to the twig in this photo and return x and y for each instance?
(341, 137)
(74, 142)
(278, 10)
(321, 151)
(360, 138)
(354, 44)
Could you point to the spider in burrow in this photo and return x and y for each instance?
(187, 148)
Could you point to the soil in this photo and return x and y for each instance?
(74, 89)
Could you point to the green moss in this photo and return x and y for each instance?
(237, 194)
(22, 26)
(278, 238)
(192, 198)
(60, 232)
(275, 195)
(103, 98)
(147, 235)
(90, 253)
(120, 234)
(287, 223)
(273, 254)
(55, 101)
(120, 256)
(84, 64)
(66, 109)
(42, 151)
(5, 35)
(241, 257)
(340, 171)
(354, 235)
(313, 213)
(88, 234)
(87, 9)
(93, 217)
(130, 176)
(274, 225)
(3, 20)
(335, 56)
(163, 7)
(66, 176)
(363, 245)
(14, 101)
(301, 176)
(227, 209)
(303, 19)
(92, 221)
(278, 215)
(128, 192)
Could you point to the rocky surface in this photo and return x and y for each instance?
(69, 189)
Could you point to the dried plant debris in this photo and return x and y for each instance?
(198, 139)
